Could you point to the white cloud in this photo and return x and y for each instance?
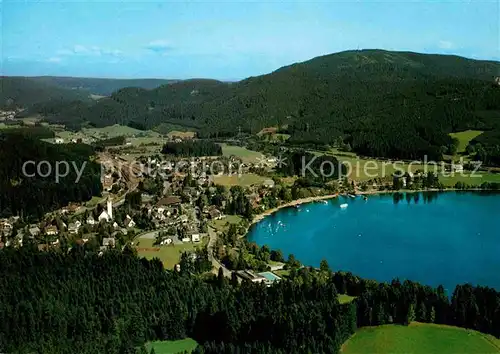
(64, 52)
(82, 50)
(54, 60)
(113, 52)
(445, 44)
(160, 46)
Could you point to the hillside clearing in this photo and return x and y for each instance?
(464, 138)
(168, 254)
(181, 134)
(223, 224)
(244, 154)
(244, 180)
(345, 299)
(475, 179)
(419, 338)
(172, 346)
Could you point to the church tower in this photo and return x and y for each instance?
(110, 208)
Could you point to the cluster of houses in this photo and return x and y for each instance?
(8, 115)
(51, 229)
(267, 278)
(59, 140)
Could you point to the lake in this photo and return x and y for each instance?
(434, 238)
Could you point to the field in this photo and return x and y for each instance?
(108, 132)
(168, 254)
(419, 338)
(244, 154)
(172, 346)
(181, 134)
(8, 126)
(361, 169)
(365, 169)
(223, 224)
(345, 299)
(474, 180)
(246, 179)
(464, 138)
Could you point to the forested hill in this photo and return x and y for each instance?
(26, 192)
(23, 92)
(100, 86)
(381, 103)
(18, 91)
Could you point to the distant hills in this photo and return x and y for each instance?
(98, 86)
(25, 91)
(380, 103)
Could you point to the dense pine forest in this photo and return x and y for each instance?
(22, 92)
(32, 197)
(380, 103)
(57, 302)
(192, 148)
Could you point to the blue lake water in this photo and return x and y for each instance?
(434, 238)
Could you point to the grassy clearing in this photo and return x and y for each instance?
(473, 180)
(275, 137)
(283, 273)
(168, 254)
(345, 299)
(464, 138)
(244, 180)
(223, 224)
(244, 154)
(419, 338)
(165, 128)
(157, 140)
(365, 169)
(9, 126)
(172, 346)
(181, 134)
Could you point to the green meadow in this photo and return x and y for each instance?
(241, 152)
(419, 338)
(172, 346)
(464, 138)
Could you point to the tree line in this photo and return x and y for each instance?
(404, 108)
(32, 197)
(116, 302)
(192, 148)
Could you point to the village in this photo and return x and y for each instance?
(163, 206)
(160, 206)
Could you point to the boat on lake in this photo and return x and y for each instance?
(343, 206)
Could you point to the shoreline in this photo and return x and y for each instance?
(261, 216)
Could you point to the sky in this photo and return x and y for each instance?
(229, 40)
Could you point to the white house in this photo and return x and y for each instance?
(108, 242)
(195, 237)
(458, 167)
(34, 231)
(108, 213)
(167, 241)
(51, 230)
(104, 216)
(129, 222)
(73, 228)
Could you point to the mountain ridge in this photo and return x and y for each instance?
(381, 103)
